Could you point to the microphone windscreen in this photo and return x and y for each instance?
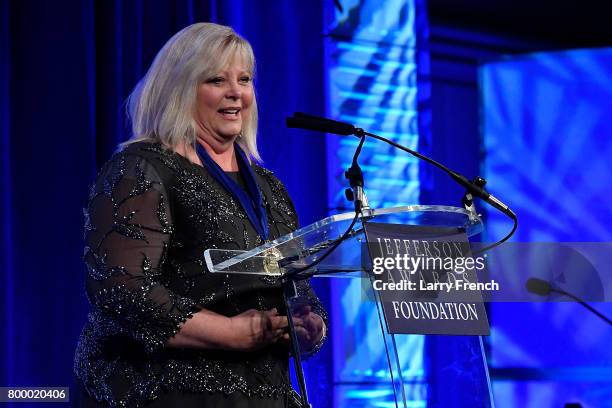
(300, 123)
(327, 126)
(538, 286)
(335, 124)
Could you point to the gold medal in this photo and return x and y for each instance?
(270, 261)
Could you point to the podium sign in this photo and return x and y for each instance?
(426, 279)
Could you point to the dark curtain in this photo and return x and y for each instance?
(66, 69)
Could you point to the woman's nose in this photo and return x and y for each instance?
(233, 91)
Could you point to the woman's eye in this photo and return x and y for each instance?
(245, 79)
(215, 81)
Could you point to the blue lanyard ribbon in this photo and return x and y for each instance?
(251, 200)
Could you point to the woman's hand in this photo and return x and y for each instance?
(309, 327)
(255, 329)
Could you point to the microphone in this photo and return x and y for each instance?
(543, 288)
(538, 286)
(309, 122)
(481, 193)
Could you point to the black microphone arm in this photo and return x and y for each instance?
(310, 122)
(543, 288)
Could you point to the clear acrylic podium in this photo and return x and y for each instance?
(453, 369)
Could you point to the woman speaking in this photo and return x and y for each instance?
(162, 331)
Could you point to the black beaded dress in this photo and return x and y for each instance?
(151, 215)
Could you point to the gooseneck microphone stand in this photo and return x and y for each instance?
(543, 288)
(474, 188)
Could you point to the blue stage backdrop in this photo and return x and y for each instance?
(65, 71)
(547, 139)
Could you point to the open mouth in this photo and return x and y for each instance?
(229, 112)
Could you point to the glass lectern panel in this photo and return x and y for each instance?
(401, 370)
(308, 243)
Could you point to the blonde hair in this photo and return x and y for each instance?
(161, 107)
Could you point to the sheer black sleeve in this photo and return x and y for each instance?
(128, 228)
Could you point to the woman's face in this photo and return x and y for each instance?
(224, 102)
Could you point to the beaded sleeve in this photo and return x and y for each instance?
(127, 232)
